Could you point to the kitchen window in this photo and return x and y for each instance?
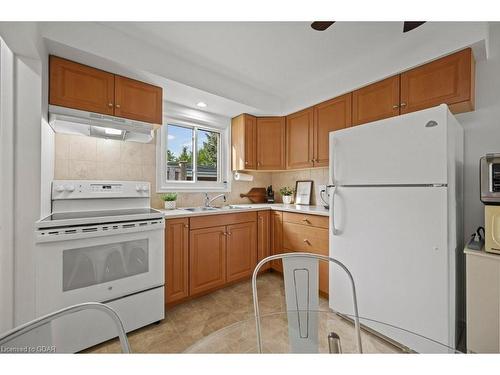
(192, 157)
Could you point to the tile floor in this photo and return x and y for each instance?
(186, 324)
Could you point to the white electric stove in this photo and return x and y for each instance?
(102, 243)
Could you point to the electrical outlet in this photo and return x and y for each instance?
(318, 194)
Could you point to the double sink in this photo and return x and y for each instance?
(203, 208)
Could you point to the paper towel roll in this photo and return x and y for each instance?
(242, 177)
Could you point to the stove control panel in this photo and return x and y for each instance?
(73, 189)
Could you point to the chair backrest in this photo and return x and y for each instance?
(22, 340)
(300, 272)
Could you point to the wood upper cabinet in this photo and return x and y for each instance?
(138, 100)
(176, 259)
(334, 114)
(300, 139)
(244, 142)
(241, 250)
(263, 237)
(448, 80)
(81, 87)
(277, 239)
(375, 102)
(78, 86)
(207, 259)
(270, 143)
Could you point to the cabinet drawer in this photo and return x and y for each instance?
(309, 220)
(297, 237)
(225, 219)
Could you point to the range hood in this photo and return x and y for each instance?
(74, 121)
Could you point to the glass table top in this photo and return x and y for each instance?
(280, 333)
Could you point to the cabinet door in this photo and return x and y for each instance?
(376, 101)
(334, 114)
(81, 87)
(263, 237)
(449, 80)
(271, 143)
(244, 142)
(299, 139)
(138, 100)
(241, 250)
(207, 259)
(298, 237)
(176, 259)
(277, 239)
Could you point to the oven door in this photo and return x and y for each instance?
(99, 265)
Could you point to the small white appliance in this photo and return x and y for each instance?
(396, 223)
(102, 243)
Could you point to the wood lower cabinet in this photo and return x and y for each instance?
(277, 239)
(81, 87)
(270, 143)
(241, 249)
(263, 237)
(449, 80)
(244, 142)
(334, 114)
(375, 102)
(309, 236)
(300, 139)
(207, 259)
(138, 101)
(176, 260)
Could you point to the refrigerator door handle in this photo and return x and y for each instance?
(332, 208)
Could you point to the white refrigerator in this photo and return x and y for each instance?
(395, 222)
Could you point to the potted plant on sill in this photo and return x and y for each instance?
(287, 194)
(170, 200)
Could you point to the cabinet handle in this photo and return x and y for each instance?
(403, 104)
(224, 233)
(312, 160)
(395, 106)
(117, 106)
(110, 105)
(305, 220)
(258, 163)
(246, 163)
(229, 233)
(186, 226)
(307, 241)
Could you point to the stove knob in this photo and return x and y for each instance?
(145, 188)
(59, 188)
(138, 188)
(69, 188)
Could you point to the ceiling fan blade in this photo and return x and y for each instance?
(410, 25)
(321, 25)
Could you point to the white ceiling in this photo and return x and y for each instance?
(276, 56)
(290, 59)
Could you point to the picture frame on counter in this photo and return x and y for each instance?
(303, 189)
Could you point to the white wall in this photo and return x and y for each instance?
(6, 187)
(482, 129)
(28, 109)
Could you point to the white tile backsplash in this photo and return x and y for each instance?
(80, 157)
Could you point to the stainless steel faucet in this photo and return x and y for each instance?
(209, 200)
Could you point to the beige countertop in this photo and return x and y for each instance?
(311, 210)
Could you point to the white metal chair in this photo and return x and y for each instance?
(300, 271)
(24, 329)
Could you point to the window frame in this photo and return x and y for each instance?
(163, 185)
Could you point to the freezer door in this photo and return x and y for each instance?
(408, 149)
(394, 242)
